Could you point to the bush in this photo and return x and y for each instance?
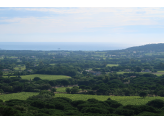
(53, 89)
(45, 92)
(77, 102)
(36, 90)
(157, 103)
(64, 98)
(161, 93)
(8, 111)
(68, 90)
(1, 100)
(143, 94)
(113, 103)
(94, 110)
(92, 100)
(124, 112)
(36, 79)
(13, 102)
(146, 113)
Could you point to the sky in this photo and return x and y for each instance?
(129, 26)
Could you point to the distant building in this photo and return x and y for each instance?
(29, 71)
(94, 72)
(6, 70)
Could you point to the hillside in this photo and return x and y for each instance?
(149, 47)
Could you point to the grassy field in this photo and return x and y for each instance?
(122, 72)
(159, 73)
(125, 100)
(111, 65)
(43, 76)
(21, 95)
(62, 89)
(52, 64)
(20, 67)
(12, 57)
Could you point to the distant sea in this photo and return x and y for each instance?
(71, 46)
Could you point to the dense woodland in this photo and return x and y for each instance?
(91, 71)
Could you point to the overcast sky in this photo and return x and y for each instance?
(129, 25)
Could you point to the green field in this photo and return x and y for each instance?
(125, 100)
(63, 89)
(52, 64)
(20, 67)
(122, 72)
(111, 65)
(21, 95)
(43, 76)
(159, 73)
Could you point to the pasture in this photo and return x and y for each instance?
(159, 73)
(19, 67)
(20, 96)
(63, 89)
(124, 100)
(43, 76)
(111, 65)
(122, 72)
(52, 64)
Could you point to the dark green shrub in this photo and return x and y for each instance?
(124, 112)
(146, 113)
(157, 103)
(1, 100)
(92, 100)
(38, 104)
(64, 98)
(13, 102)
(77, 102)
(94, 110)
(113, 103)
(9, 111)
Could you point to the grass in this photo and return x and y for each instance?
(21, 95)
(111, 65)
(20, 67)
(122, 72)
(63, 89)
(12, 57)
(43, 76)
(159, 73)
(124, 100)
(52, 64)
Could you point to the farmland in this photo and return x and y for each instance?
(125, 100)
(43, 76)
(21, 95)
(19, 67)
(111, 65)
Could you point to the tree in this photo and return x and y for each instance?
(82, 87)
(161, 93)
(1, 91)
(143, 94)
(157, 103)
(53, 89)
(45, 92)
(1, 73)
(74, 90)
(68, 90)
(36, 79)
(138, 69)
